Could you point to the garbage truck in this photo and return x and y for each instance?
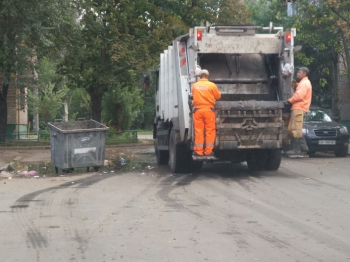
(253, 68)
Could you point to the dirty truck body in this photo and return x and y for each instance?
(248, 69)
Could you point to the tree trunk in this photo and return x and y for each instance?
(335, 85)
(36, 96)
(96, 103)
(65, 102)
(65, 109)
(3, 110)
(347, 55)
(35, 109)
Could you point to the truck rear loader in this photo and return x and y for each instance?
(253, 72)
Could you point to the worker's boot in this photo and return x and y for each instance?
(304, 147)
(296, 148)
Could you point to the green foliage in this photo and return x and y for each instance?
(28, 28)
(265, 11)
(315, 32)
(49, 102)
(111, 133)
(323, 40)
(122, 102)
(79, 105)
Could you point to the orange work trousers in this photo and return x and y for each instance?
(204, 119)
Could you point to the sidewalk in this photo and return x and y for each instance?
(140, 136)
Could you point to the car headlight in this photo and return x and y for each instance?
(344, 130)
(305, 131)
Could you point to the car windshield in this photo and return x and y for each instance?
(317, 116)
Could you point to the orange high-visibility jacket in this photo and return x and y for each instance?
(302, 97)
(205, 93)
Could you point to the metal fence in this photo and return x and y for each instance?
(44, 137)
(26, 136)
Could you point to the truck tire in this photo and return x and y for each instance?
(257, 160)
(161, 155)
(196, 166)
(273, 159)
(178, 155)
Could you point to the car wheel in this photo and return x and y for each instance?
(343, 152)
(311, 153)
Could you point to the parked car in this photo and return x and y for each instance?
(322, 134)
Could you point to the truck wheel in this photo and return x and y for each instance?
(162, 155)
(178, 155)
(273, 159)
(343, 152)
(196, 166)
(257, 160)
(311, 153)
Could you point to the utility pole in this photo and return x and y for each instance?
(291, 8)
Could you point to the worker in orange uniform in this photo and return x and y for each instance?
(300, 101)
(205, 94)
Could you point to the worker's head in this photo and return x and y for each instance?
(203, 73)
(303, 72)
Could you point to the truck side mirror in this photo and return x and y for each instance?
(146, 81)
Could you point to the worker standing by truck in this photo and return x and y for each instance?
(205, 94)
(300, 101)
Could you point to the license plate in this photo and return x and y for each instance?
(326, 142)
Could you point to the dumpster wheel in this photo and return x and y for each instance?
(96, 168)
(68, 170)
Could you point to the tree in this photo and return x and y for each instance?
(122, 103)
(113, 39)
(320, 40)
(339, 15)
(49, 102)
(26, 29)
(116, 37)
(232, 12)
(324, 33)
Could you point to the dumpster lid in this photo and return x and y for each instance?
(77, 126)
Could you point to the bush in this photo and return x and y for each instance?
(112, 132)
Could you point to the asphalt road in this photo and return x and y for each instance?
(225, 213)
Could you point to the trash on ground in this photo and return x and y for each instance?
(122, 161)
(32, 173)
(9, 168)
(36, 176)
